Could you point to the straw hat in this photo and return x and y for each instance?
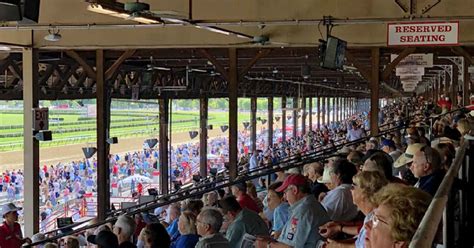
(407, 156)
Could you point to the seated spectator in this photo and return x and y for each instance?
(338, 202)
(242, 221)
(402, 164)
(365, 185)
(71, 242)
(381, 162)
(104, 239)
(252, 192)
(240, 192)
(10, 231)
(307, 215)
(447, 153)
(187, 229)
(209, 222)
(389, 147)
(173, 214)
(313, 171)
(355, 157)
(280, 208)
(124, 228)
(194, 205)
(427, 168)
(399, 210)
(154, 236)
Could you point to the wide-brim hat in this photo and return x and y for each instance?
(408, 155)
(9, 207)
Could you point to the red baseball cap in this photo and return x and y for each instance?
(293, 179)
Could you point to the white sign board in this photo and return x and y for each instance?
(423, 34)
(411, 78)
(91, 110)
(410, 71)
(415, 60)
(40, 119)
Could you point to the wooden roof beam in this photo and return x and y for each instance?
(251, 63)
(390, 67)
(112, 69)
(87, 68)
(219, 67)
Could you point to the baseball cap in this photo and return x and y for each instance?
(104, 238)
(389, 143)
(294, 179)
(407, 156)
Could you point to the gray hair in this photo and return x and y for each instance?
(212, 217)
(127, 224)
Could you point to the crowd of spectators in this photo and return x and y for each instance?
(369, 194)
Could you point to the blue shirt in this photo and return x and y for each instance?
(172, 229)
(186, 241)
(280, 216)
(339, 205)
(302, 228)
(360, 241)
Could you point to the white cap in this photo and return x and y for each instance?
(7, 208)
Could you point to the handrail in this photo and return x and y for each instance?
(428, 227)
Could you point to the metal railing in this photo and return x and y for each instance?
(442, 206)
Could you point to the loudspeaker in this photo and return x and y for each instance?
(113, 140)
(224, 128)
(89, 151)
(31, 10)
(44, 135)
(333, 53)
(151, 142)
(10, 10)
(193, 134)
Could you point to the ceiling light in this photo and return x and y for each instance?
(275, 70)
(5, 48)
(214, 29)
(53, 35)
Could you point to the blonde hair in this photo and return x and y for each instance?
(369, 183)
(407, 205)
(190, 227)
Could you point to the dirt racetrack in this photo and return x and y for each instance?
(53, 155)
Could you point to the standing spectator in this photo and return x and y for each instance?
(10, 231)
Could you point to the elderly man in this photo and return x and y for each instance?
(427, 168)
(307, 215)
(208, 224)
(124, 228)
(239, 190)
(10, 231)
(242, 221)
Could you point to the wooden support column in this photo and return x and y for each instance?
(253, 123)
(270, 122)
(318, 111)
(103, 148)
(163, 141)
(295, 116)
(30, 144)
(233, 126)
(283, 118)
(303, 115)
(203, 116)
(334, 109)
(310, 107)
(374, 92)
(467, 83)
(324, 111)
